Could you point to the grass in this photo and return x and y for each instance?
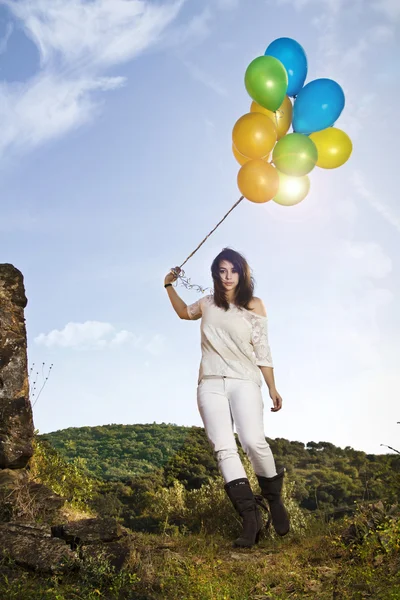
(199, 567)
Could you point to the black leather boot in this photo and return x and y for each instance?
(271, 488)
(240, 494)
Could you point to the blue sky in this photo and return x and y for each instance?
(116, 161)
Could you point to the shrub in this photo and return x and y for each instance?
(208, 509)
(70, 480)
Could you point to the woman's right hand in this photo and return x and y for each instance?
(170, 277)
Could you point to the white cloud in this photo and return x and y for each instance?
(99, 335)
(193, 32)
(206, 79)
(335, 59)
(74, 335)
(343, 60)
(90, 34)
(383, 209)
(390, 8)
(78, 41)
(124, 337)
(363, 259)
(355, 298)
(4, 41)
(47, 107)
(156, 346)
(354, 57)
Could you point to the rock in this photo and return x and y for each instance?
(11, 478)
(89, 531)
(22, 499)
(16, 421)
(13, 493)
(33, 547)
(98, 538)
(45, 499)
(37, 547)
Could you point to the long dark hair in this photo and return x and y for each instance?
(245, 289)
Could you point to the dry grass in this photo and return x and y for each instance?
(203, 567)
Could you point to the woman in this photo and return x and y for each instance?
(235, 350)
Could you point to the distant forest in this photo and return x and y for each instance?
(324, 475)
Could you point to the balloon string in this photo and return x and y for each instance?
(181, 274)
(212, 231)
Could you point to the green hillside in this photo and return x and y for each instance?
(180, 524)
(118, 452)
(324, 475)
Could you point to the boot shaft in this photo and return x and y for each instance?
(271, 487)
(240, 494)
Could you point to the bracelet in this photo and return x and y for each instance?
(167, 285)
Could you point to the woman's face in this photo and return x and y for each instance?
(229, 275)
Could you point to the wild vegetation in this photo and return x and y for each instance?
(142, 457)
(182, 525)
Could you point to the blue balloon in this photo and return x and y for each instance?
(293, 58)
(317, 106)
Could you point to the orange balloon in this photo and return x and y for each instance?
(242, 159)
(254, 135)
(258, 181)
(282, 119)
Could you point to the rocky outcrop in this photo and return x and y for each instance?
(64, 547)
(16, 422)
(33, 547)
(89, 531)
(24, 501)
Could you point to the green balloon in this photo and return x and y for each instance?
(266, 81)
(295, 154)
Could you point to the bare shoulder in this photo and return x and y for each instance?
(258, 307)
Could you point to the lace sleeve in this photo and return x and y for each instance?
(194, 310)
(259, 340)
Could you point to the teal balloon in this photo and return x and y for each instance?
(294, 59)
(266, 81)
(317, 106)
(295, 154)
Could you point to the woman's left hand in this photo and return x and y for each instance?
(276, 399)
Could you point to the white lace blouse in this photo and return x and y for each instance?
(234, 343)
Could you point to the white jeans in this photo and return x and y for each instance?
(223, 402)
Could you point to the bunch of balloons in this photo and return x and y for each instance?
(275, 162)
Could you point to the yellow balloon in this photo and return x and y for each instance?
(254, 135)
(242, 159)
(334, 147)
(258, 181)
(292, 190)
(282, 119)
